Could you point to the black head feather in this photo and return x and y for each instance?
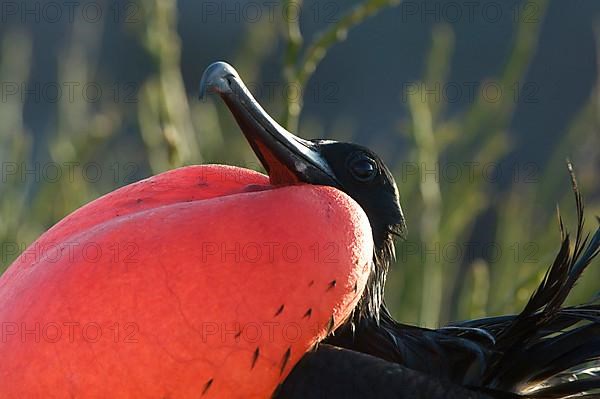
(361, 174)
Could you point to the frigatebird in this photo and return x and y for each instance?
(546, 351)
(156, 290)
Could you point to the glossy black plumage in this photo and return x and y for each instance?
(332, 372)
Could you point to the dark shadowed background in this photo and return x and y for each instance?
(475, 105)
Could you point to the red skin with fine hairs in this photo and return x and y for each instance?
(204, 281)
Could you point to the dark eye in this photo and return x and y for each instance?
(363, 168)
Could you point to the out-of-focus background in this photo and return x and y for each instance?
(475, 105)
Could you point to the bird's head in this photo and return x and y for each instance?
(351, 168)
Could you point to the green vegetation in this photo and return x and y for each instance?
(166, 129)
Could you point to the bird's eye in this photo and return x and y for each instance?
(363, 168)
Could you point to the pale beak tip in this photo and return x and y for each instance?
(215, 79)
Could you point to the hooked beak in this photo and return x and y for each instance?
(287, 158)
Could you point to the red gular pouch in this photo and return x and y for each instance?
(204, 281)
